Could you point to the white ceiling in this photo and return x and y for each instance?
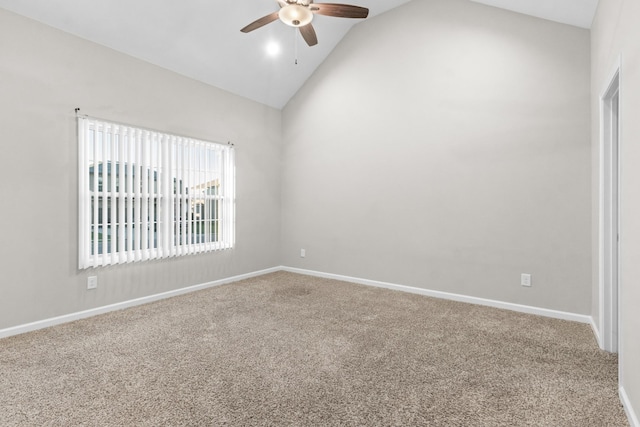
(201, 39)
(578, 13)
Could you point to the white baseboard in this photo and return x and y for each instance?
(20, 329)
(449, 296)
(628, 408)
(596, 333)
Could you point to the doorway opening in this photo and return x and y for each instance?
(610, 213)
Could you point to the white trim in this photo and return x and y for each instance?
(628, 409)
(596, 332)
(40, 324)
(606, 332)
(449, 296)
(20, 329)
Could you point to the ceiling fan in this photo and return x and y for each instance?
(299, 14)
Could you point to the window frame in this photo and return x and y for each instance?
(139, 190)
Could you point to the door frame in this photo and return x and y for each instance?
(609, 201)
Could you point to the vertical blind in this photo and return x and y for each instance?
(146, 195)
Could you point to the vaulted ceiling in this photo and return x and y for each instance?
(201, 39)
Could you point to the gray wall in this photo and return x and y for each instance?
(616, 33)
(446, 145)
(44, 75)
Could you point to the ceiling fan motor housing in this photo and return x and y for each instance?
(295, 15)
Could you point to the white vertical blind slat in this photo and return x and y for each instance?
(136, 195)
(196, 197)
(103, 193)
(84, 205)
(201, 185)
(190, 180)
(177, 208)
(187, 183)
(162, 193)
(173, 158)
(153, 191)
(112, 164)
(231, 192)
(121, 192)
(189, 216)
(222, 164)
(184, 173)
(225, 201)
(204, 220)
(144, 197)
(198, 187)
(179, 199)
(207, 197)
(169, 198)
(130, 172)
(96, 177)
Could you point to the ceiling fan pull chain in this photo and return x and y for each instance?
(295, 45)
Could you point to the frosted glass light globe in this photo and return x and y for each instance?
(295, 15)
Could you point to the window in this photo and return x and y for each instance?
(147, 195)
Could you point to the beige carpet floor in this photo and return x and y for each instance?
(291, 350)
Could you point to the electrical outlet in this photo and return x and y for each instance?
(525, 279)
(303, 253)
(92, 282)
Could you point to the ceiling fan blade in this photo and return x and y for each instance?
(260, 22)
(339, 10)
(309, 34)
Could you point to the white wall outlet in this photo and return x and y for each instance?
(92, 282)
(303, 253)
(525, 279)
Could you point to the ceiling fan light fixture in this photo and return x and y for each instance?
(295, 15)
(299, 14)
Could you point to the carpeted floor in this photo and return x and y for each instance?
(285, 349)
